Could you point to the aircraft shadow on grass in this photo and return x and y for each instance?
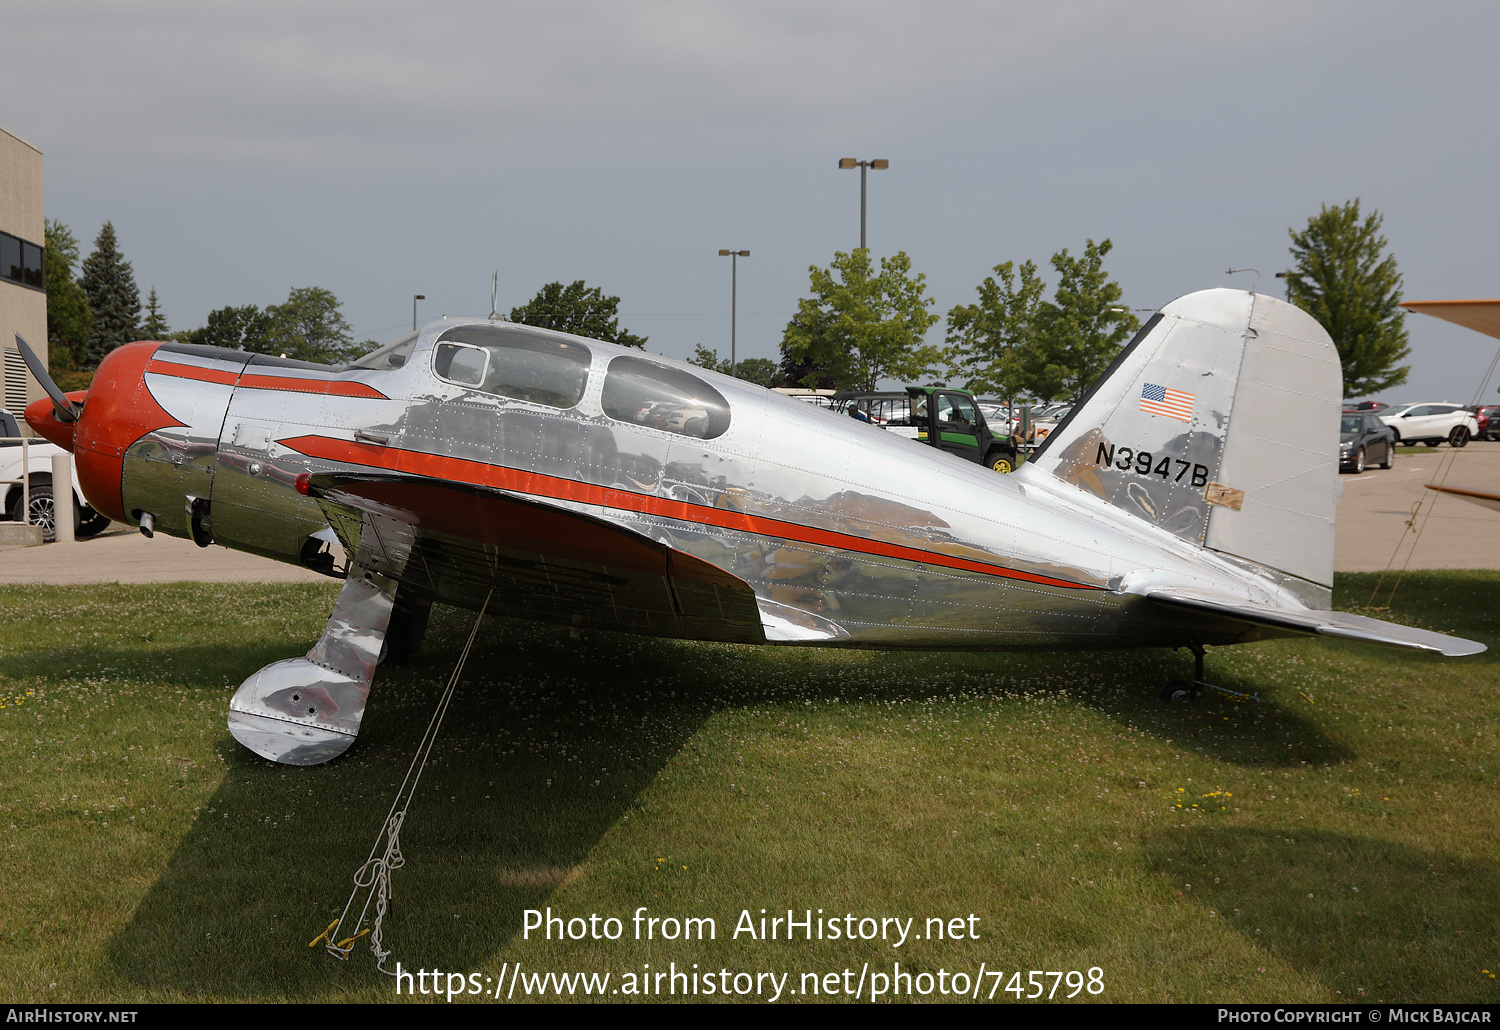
(1369, 917)
(519, 793)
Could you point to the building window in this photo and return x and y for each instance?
(648, 394)
(21, 262)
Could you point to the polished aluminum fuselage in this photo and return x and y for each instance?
(847, 534)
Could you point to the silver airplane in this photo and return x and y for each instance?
(1187, 501)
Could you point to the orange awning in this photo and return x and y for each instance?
(1482, 316)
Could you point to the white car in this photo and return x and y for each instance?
(86, 521)
(1431, 423)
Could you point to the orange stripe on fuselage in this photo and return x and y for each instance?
(461, 470)
(255, 381)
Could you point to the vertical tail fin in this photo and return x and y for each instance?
(1218, 423)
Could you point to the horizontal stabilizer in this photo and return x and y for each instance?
(1321, 623)
(1483, 498)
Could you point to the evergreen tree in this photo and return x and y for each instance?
(155, 326)
(109, 284)
(578, 309)
(68, 317)
(1343, 279)
(864, 326)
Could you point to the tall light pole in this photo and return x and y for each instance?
(734, 283)
(863, 166)
(414, 298)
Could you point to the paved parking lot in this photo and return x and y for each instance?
(1457, 535)
(1371, 528)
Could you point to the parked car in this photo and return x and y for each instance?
(1365, 405)
(1364, 439)
(1050, 420)
(1488, 417)
(1431, 423)
(86, 521)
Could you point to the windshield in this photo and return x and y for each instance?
(1351, 423)
(392, 355)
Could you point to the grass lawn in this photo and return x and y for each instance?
(1337, 843)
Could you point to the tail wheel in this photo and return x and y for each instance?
(1179, 690)
(1459, 437)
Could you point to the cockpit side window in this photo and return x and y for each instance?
(648, 394)
(460, 363)
(514, 362)
(392, 355)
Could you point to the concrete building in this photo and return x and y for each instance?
(23, 296)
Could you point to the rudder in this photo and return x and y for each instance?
(1218, 424)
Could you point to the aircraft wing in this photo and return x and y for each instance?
(457, 540)
(1318, 623)
(1483, 498)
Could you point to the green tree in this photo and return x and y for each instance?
(1078, 333)
(578, 309)
(760, 371)
(310, 327)
(155, 326)
(863, 327)
(982, 336)
(69, 320)
(1343, 278)
(109, 284)
(807, 370)
(241, 328)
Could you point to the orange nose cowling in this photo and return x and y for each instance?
(118, 410)
(42, 416)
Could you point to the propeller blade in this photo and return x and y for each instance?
(66, 410)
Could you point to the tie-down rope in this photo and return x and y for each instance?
(1445, 466)
(374, 876)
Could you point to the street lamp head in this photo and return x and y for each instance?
(848, 162)
(744, 253)
(419, 296)
(882, 163)
(723, 253)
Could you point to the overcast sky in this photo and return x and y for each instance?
(381, 150)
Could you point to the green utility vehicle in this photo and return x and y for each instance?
(935, 415)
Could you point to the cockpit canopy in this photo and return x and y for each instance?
(512, 361)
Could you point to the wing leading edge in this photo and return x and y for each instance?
(454, 541)
(1319, 623)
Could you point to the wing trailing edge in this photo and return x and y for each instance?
(1343, 625)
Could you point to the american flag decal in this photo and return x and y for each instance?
(1160, 400)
